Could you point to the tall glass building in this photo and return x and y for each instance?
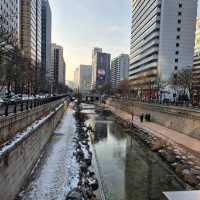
(46, 38)
(162, 39)
(31, 23)
(100, 68)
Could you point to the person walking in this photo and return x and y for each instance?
(142, 118)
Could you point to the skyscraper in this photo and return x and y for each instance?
(83, 77)
(46, 38)
(94, 51)
(196, 65)
(119, 69)
(31, 30)
(56, 73)
(10, 17)
(100, 69)
(162, 39)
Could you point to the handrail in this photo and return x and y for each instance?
(13, 107)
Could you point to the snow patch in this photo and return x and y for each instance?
(22, 135)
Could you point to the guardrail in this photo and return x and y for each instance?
(13, 107)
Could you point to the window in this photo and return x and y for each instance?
(180, 5)
(179, 29)
(176, 67)
(179, 21)
(176, 60)
(179, 13)
(177, 44)
(178, 37)
(177, 52)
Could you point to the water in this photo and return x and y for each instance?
(129, 170)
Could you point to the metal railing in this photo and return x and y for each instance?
(13, 107)
(183, 104)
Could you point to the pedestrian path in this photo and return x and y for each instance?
(165, 133)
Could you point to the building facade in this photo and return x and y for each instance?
(10, 17)
(56, 73)
(196, 65)
(100, 69)
(162, 39)
(76, 79)
(46, 38)
(119, 69)
(31, 30)
(94, 52)
(84, 77)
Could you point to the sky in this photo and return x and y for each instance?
(80, 25)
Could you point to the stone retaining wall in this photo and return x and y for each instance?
(14, 123)
(184, 120)
(18, 160)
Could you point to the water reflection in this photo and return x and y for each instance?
(129, 170)
(146, 175)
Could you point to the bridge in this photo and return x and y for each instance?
(88, 97)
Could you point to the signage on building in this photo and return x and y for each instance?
(101, 74)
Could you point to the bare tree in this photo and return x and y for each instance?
(183, 80)
(8, 41)
(124, 88)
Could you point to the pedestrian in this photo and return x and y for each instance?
(142, 118)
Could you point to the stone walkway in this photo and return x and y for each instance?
(170, 135)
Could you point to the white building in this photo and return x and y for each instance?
(76, 78)
(162, 39)
(119, 69)
(10, 14)
(83, 77)
(196, 65)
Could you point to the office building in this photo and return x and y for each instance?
(196, 65)
(10, 17)
(100, 68)
(46, 38)
(119, 69)
(94, 51)
(31, 22)
(162, 39)
(83, 77)
(56, 73)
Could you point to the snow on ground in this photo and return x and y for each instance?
(20, 136)
(57, 171)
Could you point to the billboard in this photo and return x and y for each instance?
(101, 74)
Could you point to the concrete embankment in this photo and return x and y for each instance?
(183, 120)
(183, 160)
(19, 154)
(17, 122)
